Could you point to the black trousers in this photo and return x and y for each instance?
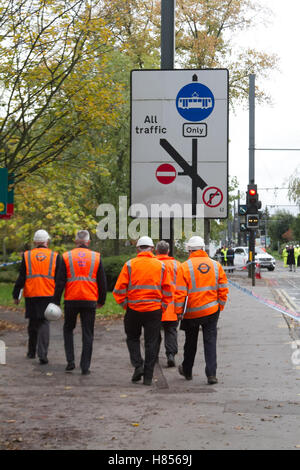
(170, 337)
(134, 322)
(38, 337)
(87, 319)
(209, 331)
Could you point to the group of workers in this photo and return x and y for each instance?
(155, 290)
(291, 258)
(226, 256)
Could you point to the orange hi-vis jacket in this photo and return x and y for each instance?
(82, 265)
(172, 266)
(144, 284)
(204, 282)
(40, 272)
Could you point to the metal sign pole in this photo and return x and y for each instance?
(252, 167)
(167, 63)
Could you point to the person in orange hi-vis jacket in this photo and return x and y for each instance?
(169, 317)
(83, 280)
(37, 277)
(201, 293)
(144, 289)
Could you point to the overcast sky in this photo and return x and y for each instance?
(276, 126)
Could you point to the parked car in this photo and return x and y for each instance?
(261, 256)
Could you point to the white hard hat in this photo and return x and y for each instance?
(145, 241)
(41, 236)
(195, 242)
(53, 312)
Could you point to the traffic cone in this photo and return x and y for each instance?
(257, 271)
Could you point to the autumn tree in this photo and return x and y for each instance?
(52, 79)
(205, 32)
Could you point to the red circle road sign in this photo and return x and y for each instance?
(212, 196)
(165, 173)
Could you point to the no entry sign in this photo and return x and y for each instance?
(165, 173)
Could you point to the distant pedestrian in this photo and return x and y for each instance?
(169, 318)
(297, 253)
(291, 258)
(203, 283)
(285, 256)
(37, 277)
(144, 289)
(82, 277)
(224, 250)
(230, 258)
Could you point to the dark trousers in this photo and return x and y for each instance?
(230, 263)
(87, 319)
(38, 337)
(134, 321)
(209, 331)
(170, 337)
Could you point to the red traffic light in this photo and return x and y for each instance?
(252, 192)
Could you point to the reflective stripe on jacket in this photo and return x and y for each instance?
(204, 281)
(82, 265)
(172, 266)
(144, 284)
(40, 271)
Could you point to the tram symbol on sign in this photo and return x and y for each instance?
(195, 101)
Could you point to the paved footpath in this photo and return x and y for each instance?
(255, 405)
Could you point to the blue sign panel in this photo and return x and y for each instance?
(195, 102)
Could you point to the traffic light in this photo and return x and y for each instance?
(252, 221)
(253, 204)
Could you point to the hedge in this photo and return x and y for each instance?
(112, 266)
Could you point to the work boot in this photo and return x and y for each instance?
(212, 379)
(171, 360)
(138, 374)
(181, 372)
(30, 355)
(70, 366)
(44, 361)
(147, 381)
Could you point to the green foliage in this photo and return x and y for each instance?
(8, 276)
(278, 225)
(111, 308)
(112, 266)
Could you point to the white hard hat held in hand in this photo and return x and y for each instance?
(53, 312)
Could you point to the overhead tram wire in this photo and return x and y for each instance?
(283, 150)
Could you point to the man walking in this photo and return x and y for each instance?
(83, 278)
(144, 289)
(204, 283)
(230, 258)
(37, 277)
(169, 317)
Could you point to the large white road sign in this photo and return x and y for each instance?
(179, 139)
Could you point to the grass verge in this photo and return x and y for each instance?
(110, 308)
